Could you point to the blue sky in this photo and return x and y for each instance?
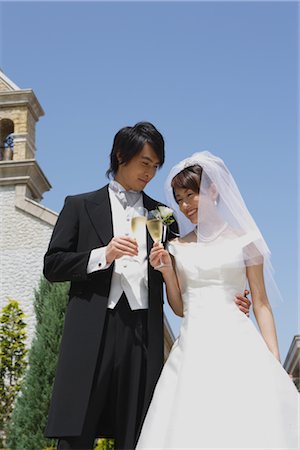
(220, 76)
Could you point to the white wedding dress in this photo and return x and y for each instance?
(221, 387)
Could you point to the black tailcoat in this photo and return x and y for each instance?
(85, 223)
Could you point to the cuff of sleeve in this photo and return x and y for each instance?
(97, 260)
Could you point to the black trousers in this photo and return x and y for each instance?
(116, 401)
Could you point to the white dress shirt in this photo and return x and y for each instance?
(130, 274)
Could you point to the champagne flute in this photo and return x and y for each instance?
(156, 229)
(138, 222)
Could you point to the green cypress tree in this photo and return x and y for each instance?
(105, 444)
(30, 413)
(12, 360)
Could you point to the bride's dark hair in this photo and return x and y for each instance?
(188, 178)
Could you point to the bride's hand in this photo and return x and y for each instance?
(157, 255)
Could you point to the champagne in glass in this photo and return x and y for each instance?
(156, 228)
(138, 222)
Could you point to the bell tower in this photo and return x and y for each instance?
(19, 112)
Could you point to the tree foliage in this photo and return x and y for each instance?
(28, 422)
(12, 360)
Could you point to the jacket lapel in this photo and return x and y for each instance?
(99, 210)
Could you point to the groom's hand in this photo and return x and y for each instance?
(121, 246)
(243, 302)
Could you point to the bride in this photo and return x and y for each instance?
(223, 386)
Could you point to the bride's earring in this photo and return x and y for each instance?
(215, 202)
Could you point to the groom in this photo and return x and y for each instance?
(112, 346)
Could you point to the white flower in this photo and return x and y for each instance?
(166, 215)
(165, 211)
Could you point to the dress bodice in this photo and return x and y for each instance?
(209, 267)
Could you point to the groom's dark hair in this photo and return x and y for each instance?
(129, 141)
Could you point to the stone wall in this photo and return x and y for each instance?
(23, 242)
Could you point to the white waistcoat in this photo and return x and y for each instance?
(130, 273)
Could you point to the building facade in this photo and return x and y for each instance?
(25, 224)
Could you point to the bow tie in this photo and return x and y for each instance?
(126, 198)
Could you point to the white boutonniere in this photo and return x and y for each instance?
(164, 214)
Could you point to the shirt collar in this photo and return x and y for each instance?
(117, 187)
